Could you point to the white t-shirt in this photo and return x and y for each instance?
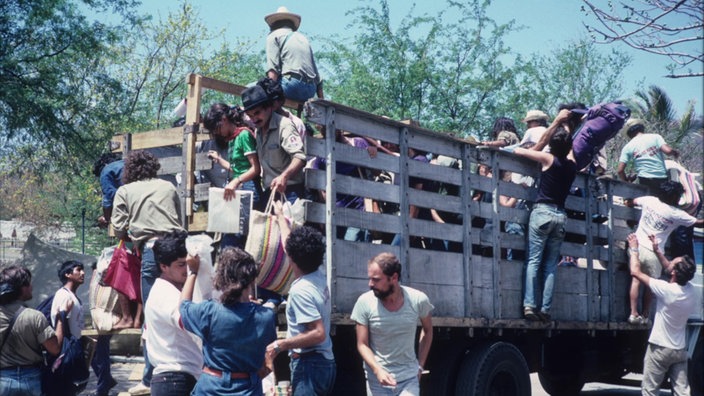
(659, 219)
(171, 348)
(392, 334)
(534, 134)
(75, 316)
(674, 305)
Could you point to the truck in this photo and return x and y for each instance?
(482, 345)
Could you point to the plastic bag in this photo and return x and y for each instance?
(201, 245)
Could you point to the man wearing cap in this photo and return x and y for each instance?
(537, 123)
(289, 57)
(645, 151)
(279, 146)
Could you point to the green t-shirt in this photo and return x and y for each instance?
(240, 147)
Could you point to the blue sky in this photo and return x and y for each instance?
(548, 25)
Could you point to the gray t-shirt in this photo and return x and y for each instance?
(392, 334)
(23, 346)
(291, 52)
(308, 301)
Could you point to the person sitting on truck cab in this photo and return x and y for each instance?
(676, 300)
(546, 226)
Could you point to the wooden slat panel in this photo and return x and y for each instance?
(155, 138)
(352, 155)
(348, 291)
(198, 222)
(426, 199)
(447, 300)
(351, 258)
(316, 179)
(315, 213)
(201, 192)
(569, 307)
(422, 140)
(434, 172)
(433, 267)
(431, 229)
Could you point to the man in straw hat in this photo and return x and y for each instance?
(290, 58)
(536, 123)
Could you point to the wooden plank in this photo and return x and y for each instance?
(316, 179)
(434, 267)
(367, 125)
(154, 138)
(351, 258)
(569, 307)
(446, 299)
(434, 172)
(201, 192)
(198, 221)
(315, 213)
(352, 155)
(348, 291)
(431, 229)
(422, 139)
(426, 199)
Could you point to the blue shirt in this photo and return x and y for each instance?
(234, 336)
(309, 301)
(110, 181)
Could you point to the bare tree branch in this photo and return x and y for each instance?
(671, 28)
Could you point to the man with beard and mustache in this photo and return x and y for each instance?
(386, 319)
(279, 146)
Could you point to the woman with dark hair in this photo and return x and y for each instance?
(503, 132)
(546, 226)
(23, 331)
(145, 207)
(228, 123)
(235, 331)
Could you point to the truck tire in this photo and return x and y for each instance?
(443, 375)
(563, 384)
(493, 369)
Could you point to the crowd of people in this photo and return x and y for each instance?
(227, 345)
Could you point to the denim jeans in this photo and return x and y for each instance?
(150, 271)
(515, 229)
(546, 231)
(355, 234)
(101, 364)
(312, 374)
(172, 383)
(295, 89)
(20, 381)
(407, 387)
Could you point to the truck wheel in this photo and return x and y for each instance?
(563, 384)
(696, 368)
(497, 369)
(443, 374)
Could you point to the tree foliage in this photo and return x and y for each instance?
(671, 28)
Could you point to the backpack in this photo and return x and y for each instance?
(45, 307)
(602, 123)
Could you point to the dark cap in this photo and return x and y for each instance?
(254, 96)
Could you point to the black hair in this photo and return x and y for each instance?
(306, 247)
(12, 279)
(541, 122)
(170, 247)
(503, 124)
(560, 143)
(670, 192)
(213, 118)
(272, 88)
(140, 165)
(283, 23)
(684, 270)
(66, 268)
(236, 270)
(575, 119)
(104, 160)
(388, 263)
(634, 130)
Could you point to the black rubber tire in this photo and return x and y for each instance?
(696, 368)
(564, 384)
(443, 375)
(493, 369)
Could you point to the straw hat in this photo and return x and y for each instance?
(535, 115)
(282, 14)
(633, 125)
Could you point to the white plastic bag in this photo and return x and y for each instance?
(201, 245)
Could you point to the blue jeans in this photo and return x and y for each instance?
(355, 234)
(101, 364)
(20, 381)
(312, 374)
(407, 387)
(546, 231)
(516, 229)
(150, 271)
(172, 383)
(297, 90)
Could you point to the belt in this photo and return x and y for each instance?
(552, 205)
(296, 355)
(218, 373)
(23, 367)
(299, 77)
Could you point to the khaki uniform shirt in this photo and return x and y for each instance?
(277, 147)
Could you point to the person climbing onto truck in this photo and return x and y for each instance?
(659, 217)
(546, 226)
(676, 300)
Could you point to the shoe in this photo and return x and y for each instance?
(635, 319)
(106, 392)
(544, 316)
(139, 390)
(530, 314)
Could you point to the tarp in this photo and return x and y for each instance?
(44, 260)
